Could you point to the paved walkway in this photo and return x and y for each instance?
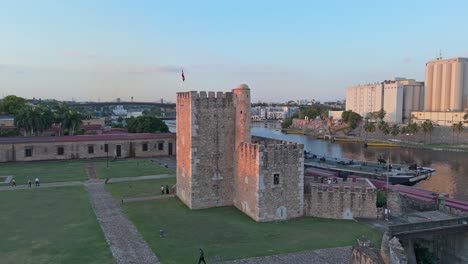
(139, 178)
(148, 198)
(323, 256)
(43, 185)
(91, 171)
(126, 243)
(74, 183)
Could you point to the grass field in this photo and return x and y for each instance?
(130, 168)
(57, 171)
(229, 234)
(53, 225)
(121, 190)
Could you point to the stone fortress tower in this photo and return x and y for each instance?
(220, 164)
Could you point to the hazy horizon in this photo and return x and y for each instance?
(291, 50)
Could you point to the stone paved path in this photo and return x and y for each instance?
(139, 178)
(126, 243)
(91, 170)
(147, 198)
(74, 183)
(321, 256)
(43, 185)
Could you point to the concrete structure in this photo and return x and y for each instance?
(364, 99)
(398, 98)
(439, 118)
(447, 85)
(218, 164)
(261, 113)
(7, 121)
(86, 147)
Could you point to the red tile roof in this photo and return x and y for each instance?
(103, 137)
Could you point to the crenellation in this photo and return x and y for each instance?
(219, 163)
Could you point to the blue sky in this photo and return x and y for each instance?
(90, 50)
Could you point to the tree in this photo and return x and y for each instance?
(23, 119)
(381, 114)
(71, 121)
(369, 127)
(34, 120)
(146, 124)
(395, 130)
(287, 122)
(12, 104)
(458, 128)
(384, 127)
(465, 118)
(351, 118)
(427, 127)
(412, 128)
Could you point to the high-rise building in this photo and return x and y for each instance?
(398, 98)
(446, 85)
(401, 97)
(364, 99)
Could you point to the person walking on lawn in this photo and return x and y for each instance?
(202, 257)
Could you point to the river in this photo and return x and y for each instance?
(451, 167)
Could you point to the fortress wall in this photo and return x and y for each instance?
(212, 144)
(340, 201)
(284, 199)
(246, 197)
(184, 125)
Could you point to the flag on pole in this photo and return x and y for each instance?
(183, 76)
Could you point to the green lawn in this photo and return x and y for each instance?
(229, 234)
(52, 225)
(121, 190)
(130, 168)
(57, 171)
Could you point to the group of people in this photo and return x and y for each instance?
(166, 189)
(329, 180)
(36, 181)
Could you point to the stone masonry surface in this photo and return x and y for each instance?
(322, 256)
(217, 165)
(340, 200)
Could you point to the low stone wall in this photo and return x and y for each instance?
(400, 203)
(340, 200)
(365, 255)
(391, 250)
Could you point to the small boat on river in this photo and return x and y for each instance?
(337, 167)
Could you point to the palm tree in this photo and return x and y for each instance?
(369, 127)
(395, 130)
(59, 116)
(384, 127)
(413, 128)
(43, 118)
(465, 118)
(23, 119)
(458, 127)
(427, 127)
(71, 121)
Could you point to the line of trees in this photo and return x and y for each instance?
(34, 120)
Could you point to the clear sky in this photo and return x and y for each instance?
(101, 50)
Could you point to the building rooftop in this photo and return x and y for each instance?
(84, 138)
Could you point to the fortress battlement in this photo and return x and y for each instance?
(207, 99)
(250, 150)
(361, 186)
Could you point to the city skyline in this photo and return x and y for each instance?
(299, 50)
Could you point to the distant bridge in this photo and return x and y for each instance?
(101, 104)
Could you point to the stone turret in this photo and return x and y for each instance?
(242, 119)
